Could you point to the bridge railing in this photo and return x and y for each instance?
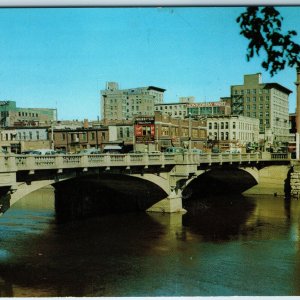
(11, 163)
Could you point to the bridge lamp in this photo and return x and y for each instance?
(190, 131)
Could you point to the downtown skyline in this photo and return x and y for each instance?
(62, 57)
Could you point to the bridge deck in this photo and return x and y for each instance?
(15, 163)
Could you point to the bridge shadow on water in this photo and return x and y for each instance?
(217, 218)
(103, 194)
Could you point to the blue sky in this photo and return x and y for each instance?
(62, 57)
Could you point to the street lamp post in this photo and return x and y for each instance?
(190, 132)
(52, 135)
(297, 83)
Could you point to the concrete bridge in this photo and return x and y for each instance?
(172, 173)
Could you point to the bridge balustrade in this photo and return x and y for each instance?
(71, 160)
(279, 156)
(96, 159)
(11, 163)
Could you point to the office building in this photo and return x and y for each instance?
(268, 102)
(125, 104)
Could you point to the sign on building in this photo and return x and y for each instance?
(144, 130)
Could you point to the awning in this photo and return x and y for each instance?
(112, 147)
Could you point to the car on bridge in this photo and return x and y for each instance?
(233, 151)
(197, 151)
(90, 151)
(176, 150)
(43, 152)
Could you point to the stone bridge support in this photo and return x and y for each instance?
(172, 183)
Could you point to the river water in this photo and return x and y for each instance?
(221, 247)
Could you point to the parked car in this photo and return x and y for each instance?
(27, 152)
(197, 151)
(43, 152)
(90, 151)
(215, 150)
(173, 150)
(233, 151)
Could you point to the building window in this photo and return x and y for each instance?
(30, 135)
(37, 135)
(209, 125)
(63, 136)
(226, 125)
(92, 136)
(233, 125)
(215, 125)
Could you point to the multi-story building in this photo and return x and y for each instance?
(11, 115)
(117, 104)
(237, 130)
(175, 109)
(269, 102)
(178, 132)
(73, 140)
(18, 139)
(219, 108)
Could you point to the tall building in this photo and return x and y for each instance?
(269, 102)
(117, 104)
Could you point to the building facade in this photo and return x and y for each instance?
(11, 115)
(175, 109)
(19, 139)
(236, 130)
(220, 108)
(125, 104)
(177, 132)
(268, 102)
(75, 140)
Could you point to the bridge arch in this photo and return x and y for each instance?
(220, 180)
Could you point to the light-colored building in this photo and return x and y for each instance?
(237, 130)
(18, 139)
(125, 104)
(11, 115)
(269, 102)
(121, 133)
(175, 109)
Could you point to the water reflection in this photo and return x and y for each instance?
(221, 247)
(218, 218)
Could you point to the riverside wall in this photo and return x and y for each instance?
(273, 180)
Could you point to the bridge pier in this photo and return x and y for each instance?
(295, 181)
(170, 204)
